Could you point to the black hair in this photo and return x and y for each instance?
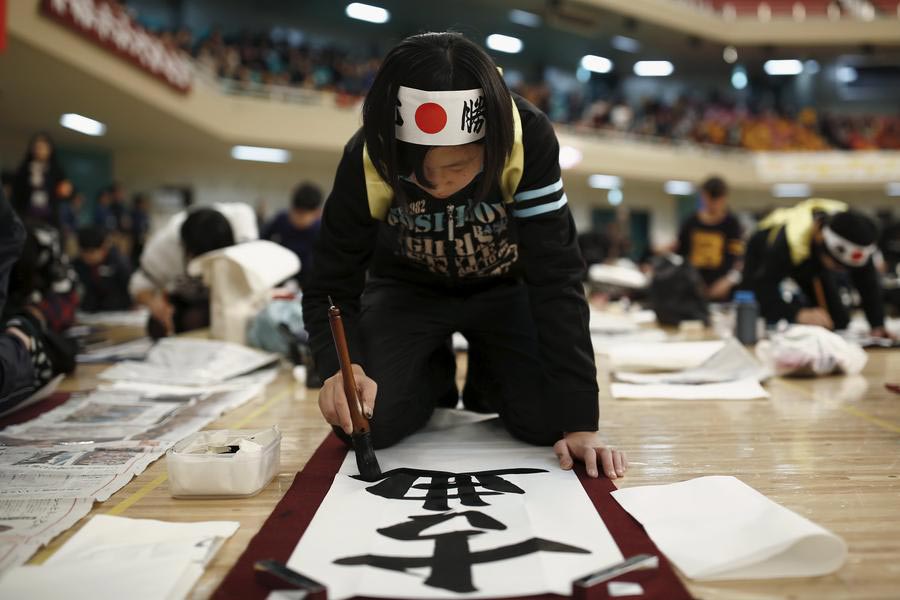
(307, 196)
(715, 187)
(435, 62)
(854, 226)
(205, 230)
(91, 237)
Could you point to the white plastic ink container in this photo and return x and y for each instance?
(229, 463)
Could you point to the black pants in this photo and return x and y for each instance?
(805, 275)
(406, 331)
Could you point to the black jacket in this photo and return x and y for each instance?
(16, 371)
(459, 242)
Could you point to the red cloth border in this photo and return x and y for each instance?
(287, 523)
(34, 410)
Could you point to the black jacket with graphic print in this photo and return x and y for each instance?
(458, 242)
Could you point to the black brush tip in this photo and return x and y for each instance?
(366, 462)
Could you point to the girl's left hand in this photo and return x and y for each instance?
(587, 446)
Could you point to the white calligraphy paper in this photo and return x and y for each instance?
(522, 527)
(720, 528)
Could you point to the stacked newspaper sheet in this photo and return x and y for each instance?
(54, 467)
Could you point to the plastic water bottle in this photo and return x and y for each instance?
(747, 313)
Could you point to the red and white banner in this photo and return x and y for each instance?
(108, 25)
(2, 25)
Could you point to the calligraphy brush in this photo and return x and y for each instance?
(362, 439)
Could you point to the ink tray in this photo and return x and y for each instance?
(224, 463)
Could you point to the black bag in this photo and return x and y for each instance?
(677, 291)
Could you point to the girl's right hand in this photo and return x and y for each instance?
(333, 400)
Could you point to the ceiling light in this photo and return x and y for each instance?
(569, 157)
(846, 74)
(739, 78)
(790, 66)
(367, 12)
(625, 44)
(675, 187)
(596, 64)
(260, 154)
(82, 124)
(791, 190)
(730, 55)
(653, 68)
(504, 43)
(524, 18)
(614, 197)
(604, 182)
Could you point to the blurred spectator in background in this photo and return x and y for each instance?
(177, 301)
(118, 208)
(140, 225)
(71, 213)
(296, 228)
(40, 182)
(711, 240)
(103, 210)
(102, 271)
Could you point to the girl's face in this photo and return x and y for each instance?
(451, 168)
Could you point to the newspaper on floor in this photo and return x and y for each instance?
(603, 343)
(182, 361)
(103, 417)
(131, 350)
(26, 524)
(115, 557)
(732, 363)
(242, 382)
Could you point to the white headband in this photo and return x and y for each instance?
(440, 118)
(852, 255)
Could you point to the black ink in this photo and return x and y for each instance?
(398, 120)
(398, 482)
(473, 115)
(452, 561)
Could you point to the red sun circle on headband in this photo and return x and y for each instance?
(431, 117)
(857, 255)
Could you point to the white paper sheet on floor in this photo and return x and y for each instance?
(664, 356)
(743, 389)
(116, 557)
(553, 507)
(718, 527)
(732, 363)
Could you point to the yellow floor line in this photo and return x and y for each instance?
(125, 504)
(871, 419)
(262, 409)
(850, 410)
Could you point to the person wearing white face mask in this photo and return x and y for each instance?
(815, 242)
(450, 198)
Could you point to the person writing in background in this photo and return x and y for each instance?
(177, 301)
(102, 271)
(451, 198)
(812, 243)
(711, 241)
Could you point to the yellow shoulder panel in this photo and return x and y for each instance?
(378, 191)
(798, 222)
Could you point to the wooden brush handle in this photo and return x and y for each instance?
(358, 419)
(820, 294)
